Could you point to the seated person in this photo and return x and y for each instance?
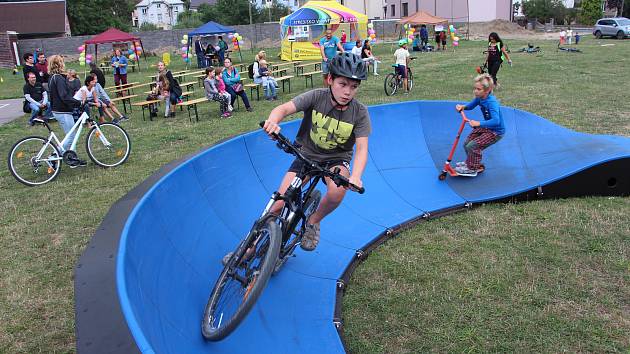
(357, 48)
(268, 82)
(37, 98)
(416, 45)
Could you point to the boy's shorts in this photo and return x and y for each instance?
(298, 165)
(402, 71)
(444, 42)
(104, 101)
(325, 69)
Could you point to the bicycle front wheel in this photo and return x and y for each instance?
(242, 280)
(33, 161)
(390, 84)
(108, 145)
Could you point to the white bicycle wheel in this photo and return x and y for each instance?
(108, 145)
(33, 161)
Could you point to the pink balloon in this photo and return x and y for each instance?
(456, 43)
(80, 49)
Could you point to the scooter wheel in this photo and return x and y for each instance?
(442, 176)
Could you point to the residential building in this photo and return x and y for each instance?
(291, 4)
(453, 10)
(162, 13)
(372, 8)
(35, 19)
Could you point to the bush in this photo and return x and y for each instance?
(591, 11)
(147, 26)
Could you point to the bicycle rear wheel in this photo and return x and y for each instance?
(409, 80)
(242, 280)
(27, 167)
(108, 145)
(390, 84)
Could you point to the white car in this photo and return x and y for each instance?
(615, 27)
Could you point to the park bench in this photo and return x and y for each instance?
(309, 75)
(192, 105)
(299, 69)
(125, 99)
(146, 105)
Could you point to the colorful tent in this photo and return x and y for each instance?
(208, 29)
(423, 18)
(302, 29)
(114, 35)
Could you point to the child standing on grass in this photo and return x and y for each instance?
(218, 73)
(486, 132)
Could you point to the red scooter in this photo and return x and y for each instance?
(448, 169)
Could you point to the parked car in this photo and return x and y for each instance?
(615, 27)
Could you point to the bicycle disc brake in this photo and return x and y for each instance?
(69, 157)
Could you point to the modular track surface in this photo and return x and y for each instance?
(145, 277)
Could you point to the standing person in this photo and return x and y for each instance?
(368, 57)
(232, 80)
(334, 124)
(577, 37)
(37, 98)
(223, 47)
(402, 61)
(42, 69)
(563, 35)
(29, 67)
(496, 55)
(485, 132)
(424, 37)
(119, 63)
(62, 102)
(328, 47)
(343, 37)
(174, 90)
(210, 84)
(438, 38)
(199, 52)
(443, 39)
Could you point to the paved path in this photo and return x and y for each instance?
(10, 109)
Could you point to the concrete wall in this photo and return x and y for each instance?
(259, 34)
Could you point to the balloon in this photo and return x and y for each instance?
(80, 49)
(132, 56)
(372, 36)
(412, 30)
(456, 39)
(89, 56)
(184, 41)
(456, 43)
(82, 63)
(236, 34)
(184, 49)
(370, 25)
(184, 55)
(409, 40)
(406, 26)
(88, 61)
(185, 37)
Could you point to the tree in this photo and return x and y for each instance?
(591, 11)
(148, 26)
(189, 19)
(229, 12)
(84, 18)
(544, 10)
(618, 5)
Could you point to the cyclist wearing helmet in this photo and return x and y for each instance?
(334, 123)
(402, 61)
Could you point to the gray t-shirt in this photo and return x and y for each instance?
(327, 133)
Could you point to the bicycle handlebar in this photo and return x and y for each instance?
(288, 147)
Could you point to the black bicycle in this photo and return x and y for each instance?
(393, 81)
(267, 246)
(568, 49)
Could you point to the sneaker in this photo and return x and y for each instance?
(77, 163)
(123, 117)
(465, 171)
(226, 258)
(226, 115)
(250, 109)
(116, 121)
(376, 74)
(275, 98)
(310, 239)
(230, 108)
(460, 164)
(268, 99)
(172, 115)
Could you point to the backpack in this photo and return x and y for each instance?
(250, 70)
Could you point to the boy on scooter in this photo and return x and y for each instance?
(485, 132)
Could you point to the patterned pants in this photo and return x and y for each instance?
(478, 140)
(223, 101)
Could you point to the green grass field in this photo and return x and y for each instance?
(545, 276)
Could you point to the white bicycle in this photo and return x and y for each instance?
(36, 160)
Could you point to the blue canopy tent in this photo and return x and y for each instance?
(208, 29)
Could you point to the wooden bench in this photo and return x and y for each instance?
(125, 99)
(283, 79)
(146, 105)
(309, 75)
(119, 87)
(299, 69)
(253, 86)
(190, 86)
(192, 105)
(284, 65)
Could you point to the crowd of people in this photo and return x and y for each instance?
(206, 50)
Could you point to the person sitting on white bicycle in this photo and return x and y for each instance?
(62, 102)
(334, 122)
(402, 62)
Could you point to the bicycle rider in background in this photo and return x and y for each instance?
(334, 122)
(402, 63)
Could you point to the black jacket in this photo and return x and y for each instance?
(60, 98)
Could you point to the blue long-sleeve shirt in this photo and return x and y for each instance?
(122, 64)
(491, 110)
(231, 79)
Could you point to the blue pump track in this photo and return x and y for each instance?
(143, 281)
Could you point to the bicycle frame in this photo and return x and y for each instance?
(78, 127)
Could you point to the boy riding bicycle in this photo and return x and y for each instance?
(334, 122)
(402, 61)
